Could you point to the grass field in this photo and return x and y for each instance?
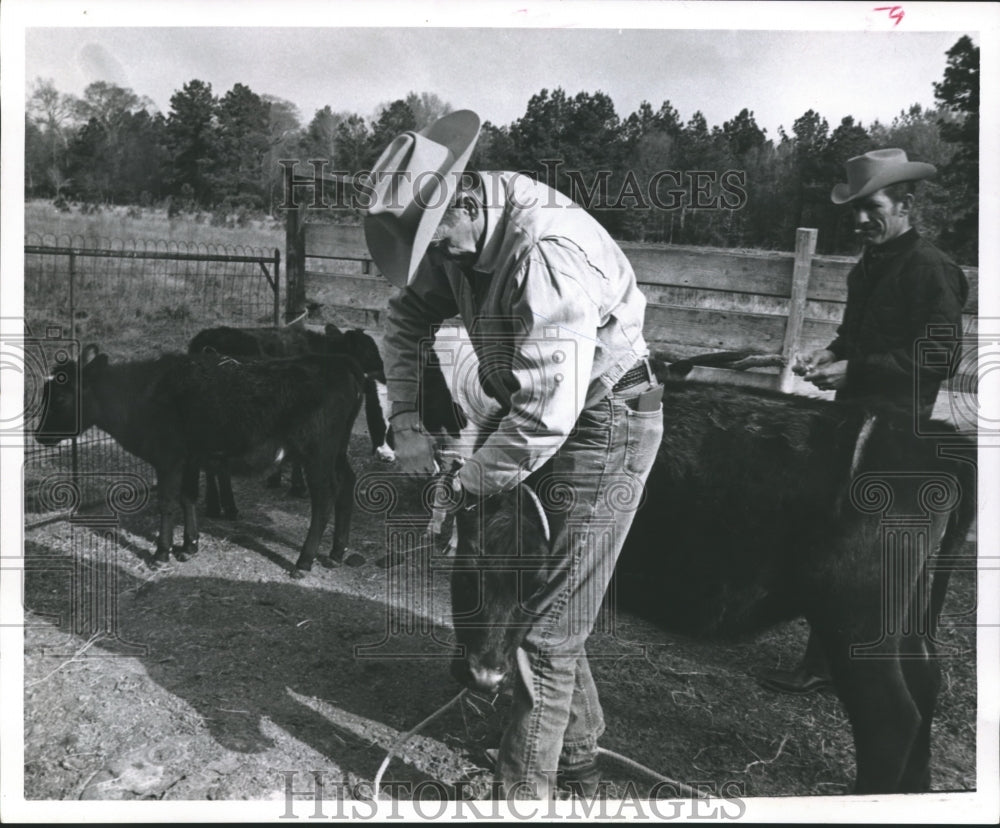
(125, 223)
(138, 307)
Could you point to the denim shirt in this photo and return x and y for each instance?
(552, 310)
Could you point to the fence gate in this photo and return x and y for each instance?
(135, 300)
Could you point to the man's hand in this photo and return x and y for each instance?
(805, 364)
(830, 377)
(414, 446)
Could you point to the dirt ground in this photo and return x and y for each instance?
(221, 678)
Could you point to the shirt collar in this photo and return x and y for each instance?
(494, 212)
(893, 247)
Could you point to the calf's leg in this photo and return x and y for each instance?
(168, 487)
(923, 680)
(212, 509)
(219, 487)
(226, 492)
(317, 471)
(274, 479)
(343, 486)
(884, 717)
(298, 487)
(189, 497)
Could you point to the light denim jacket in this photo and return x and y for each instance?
(552, 310)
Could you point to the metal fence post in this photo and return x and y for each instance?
(277, 287)
(74, 451)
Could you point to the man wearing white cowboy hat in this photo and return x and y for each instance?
(555, 317)
(903, 289)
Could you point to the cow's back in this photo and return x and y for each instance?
(229, 404)
(207, 405)
(748, 504)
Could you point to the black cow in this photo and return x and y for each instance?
(291, 341)
(763, 507)
(181, 413)
(286, 342)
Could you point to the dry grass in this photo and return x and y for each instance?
(125, 223)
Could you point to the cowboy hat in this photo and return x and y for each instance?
(874, 170)
(412, 185)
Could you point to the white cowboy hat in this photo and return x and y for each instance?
(874, 170)
(413, 182)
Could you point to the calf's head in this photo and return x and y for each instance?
(67, 409)
(500, 564)
(360, 346)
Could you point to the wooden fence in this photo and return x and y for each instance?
(699, 299)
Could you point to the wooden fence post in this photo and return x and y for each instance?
(805, 249)
(295, 263)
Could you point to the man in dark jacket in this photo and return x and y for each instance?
(902, 290)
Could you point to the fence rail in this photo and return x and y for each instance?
(698, 299)
(136, 299)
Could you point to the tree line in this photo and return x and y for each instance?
(650, 176)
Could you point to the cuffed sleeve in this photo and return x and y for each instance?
(838, 348)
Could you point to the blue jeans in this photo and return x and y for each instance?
(590, 490)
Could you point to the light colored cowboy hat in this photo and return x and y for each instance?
(874, 170)
(413, 182)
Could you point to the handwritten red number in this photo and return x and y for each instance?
(895, 13)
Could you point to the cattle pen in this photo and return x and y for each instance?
(699, 299)
(221, 679)
(138, 297)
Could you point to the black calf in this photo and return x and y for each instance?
(181, 413)
(286, 342)
(760, 508)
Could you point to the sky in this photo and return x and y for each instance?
(495, 71)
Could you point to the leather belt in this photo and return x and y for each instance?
(636, 375)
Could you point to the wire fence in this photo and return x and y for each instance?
(135, 299)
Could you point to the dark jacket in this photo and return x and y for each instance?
(904, 300)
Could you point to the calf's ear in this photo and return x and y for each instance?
(333, 332)
(93, 360)
(355, 341)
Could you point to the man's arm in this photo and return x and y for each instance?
(841, 345)
(552, 365)
(414, 311)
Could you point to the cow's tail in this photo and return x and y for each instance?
(949, 552)
(376, 417)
